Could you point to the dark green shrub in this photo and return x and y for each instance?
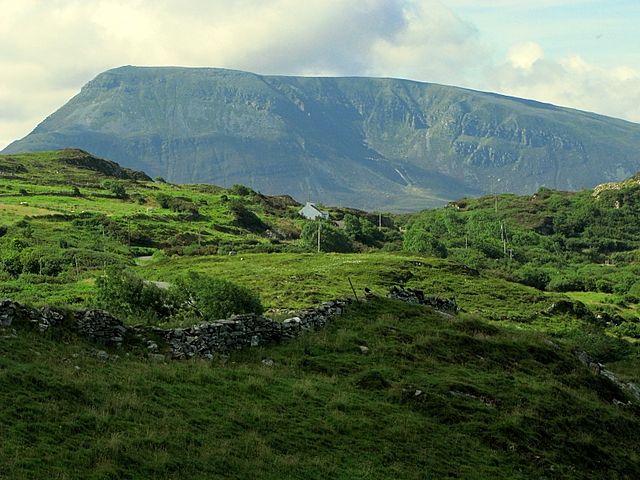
(534, 276)
(177, 204)
(40, 261)
(11, 264)
(565, 283)
(124, 294)
(116, 188)
(213, 298)
(245, 218)
(240, 190)
(470, 257)
(635, 289)
(604, 285)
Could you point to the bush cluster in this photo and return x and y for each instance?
(191, 298)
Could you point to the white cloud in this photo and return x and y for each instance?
(434, 45)
(569, 81)
(525, 55)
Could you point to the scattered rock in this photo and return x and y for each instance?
(48, 317)
(8, 312)
(102, 355)
(268, 362)
(156, 357)
(364, 349)
(12, 334)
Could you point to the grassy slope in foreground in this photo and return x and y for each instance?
(435, 397)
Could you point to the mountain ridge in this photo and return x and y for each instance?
(366, 142)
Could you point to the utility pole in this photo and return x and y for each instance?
(503, 234)
(379, 222)
(494, 190)
(319, 232)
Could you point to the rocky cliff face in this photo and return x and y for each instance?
(365, 142)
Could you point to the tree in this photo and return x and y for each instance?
(361, 230)
(418, 241)
(332, 239)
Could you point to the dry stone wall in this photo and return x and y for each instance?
(242, 331)
(203, 340)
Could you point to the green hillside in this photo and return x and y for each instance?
(585, 243)
(387, 389)
(364, 142)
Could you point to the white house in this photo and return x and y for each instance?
(311, 212)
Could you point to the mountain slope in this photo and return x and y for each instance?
(366, 142)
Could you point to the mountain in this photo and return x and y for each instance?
(365, 142)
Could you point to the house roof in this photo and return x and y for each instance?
(310, 205)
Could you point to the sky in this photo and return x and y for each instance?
(583, 54)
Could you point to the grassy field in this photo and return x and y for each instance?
(496, 392)
(302, 280)
(434, 398)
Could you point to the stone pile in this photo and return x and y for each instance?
(8, 312)
(409, 295)
(46, 318)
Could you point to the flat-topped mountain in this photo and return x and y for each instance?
(365, 142)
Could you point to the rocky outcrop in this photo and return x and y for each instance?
(600, 369)
(570, 307)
